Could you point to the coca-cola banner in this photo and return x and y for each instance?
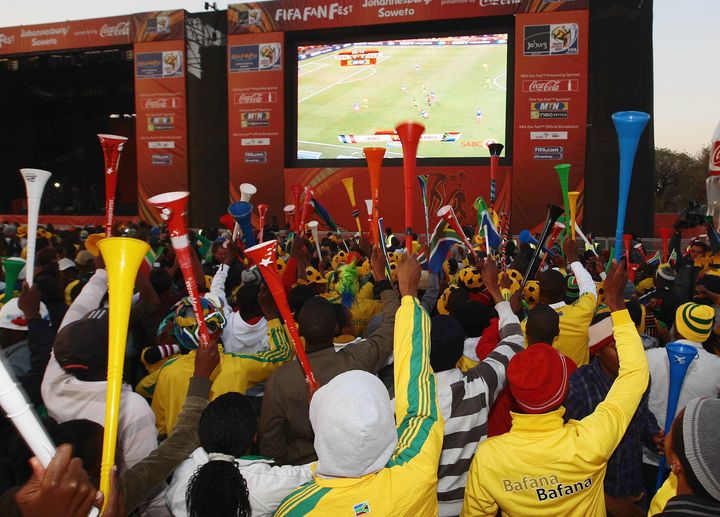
(287, 15)
(161, 130)
(98, 32)
(551, 63)
(256, 115)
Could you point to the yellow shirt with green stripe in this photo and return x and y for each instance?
(544, 466)
(236, 372)
(408, 483)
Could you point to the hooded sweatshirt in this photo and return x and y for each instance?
(368, 463)
(239, 336)
(546, 467)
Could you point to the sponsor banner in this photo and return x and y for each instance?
(255, 58)
(291, 15)
(152, 65)
(160, 102)
(551, 62)
(98, 32)
(550, 40)
(256, 116)
(159, 25)
(549, 153)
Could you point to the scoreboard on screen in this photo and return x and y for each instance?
(358, 57)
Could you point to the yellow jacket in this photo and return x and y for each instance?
(667, 491)
(575, 321)
(545, 467)
(408, 483)
(236, 372)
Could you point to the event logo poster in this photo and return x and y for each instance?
(547, 40)
(154, 65)
(255, 58)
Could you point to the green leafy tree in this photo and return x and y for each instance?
(679, 178)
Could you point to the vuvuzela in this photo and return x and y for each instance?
(35, 180)
(112, 146)
(172, 206)
(122, 257)
(409, 134)
(374, 157)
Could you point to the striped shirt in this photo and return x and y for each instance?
(465, 400)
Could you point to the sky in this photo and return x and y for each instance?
(687, 69)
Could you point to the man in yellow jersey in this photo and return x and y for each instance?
(544, 466)
(575, 319)
(237, 372)
(368, 463)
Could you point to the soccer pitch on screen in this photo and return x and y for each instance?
(351, 96)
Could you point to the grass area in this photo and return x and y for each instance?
(360, 100)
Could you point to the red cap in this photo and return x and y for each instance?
(539, 378)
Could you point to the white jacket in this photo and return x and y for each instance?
(239, 336)
(67, 398)
(267, 484)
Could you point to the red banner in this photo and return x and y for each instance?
(256, 117)
(551, 82)
(288, 15)
(161, 131)
(96, 32)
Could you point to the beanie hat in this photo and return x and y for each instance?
(539, 378)
(702, 442)
(12, 318)
(694, 321)
(572, 290)
(354, 425)
(666, 272)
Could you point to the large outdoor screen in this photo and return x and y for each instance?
(351, 95)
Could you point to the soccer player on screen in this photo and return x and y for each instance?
(478, 115)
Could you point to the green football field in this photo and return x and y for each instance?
(360, 100)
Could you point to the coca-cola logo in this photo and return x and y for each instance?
(6, 40)
(255, 98)
(490, 3)
(114, 31)
(160, 103)
(551, 85)
(715, 158)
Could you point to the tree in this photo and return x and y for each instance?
(679, 178)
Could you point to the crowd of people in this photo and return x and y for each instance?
(463, 391)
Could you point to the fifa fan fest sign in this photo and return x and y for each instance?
(549, 102)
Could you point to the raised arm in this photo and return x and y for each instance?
(419, 424)
(89, 298)
(372, 353)
(584, 279)
(141, 481)
(431, 293)
(605, 427)
(490, 374)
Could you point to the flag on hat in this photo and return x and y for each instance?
(443, 238)
(655, 259)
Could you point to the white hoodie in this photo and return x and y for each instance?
(239, 336)
(267, 484)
